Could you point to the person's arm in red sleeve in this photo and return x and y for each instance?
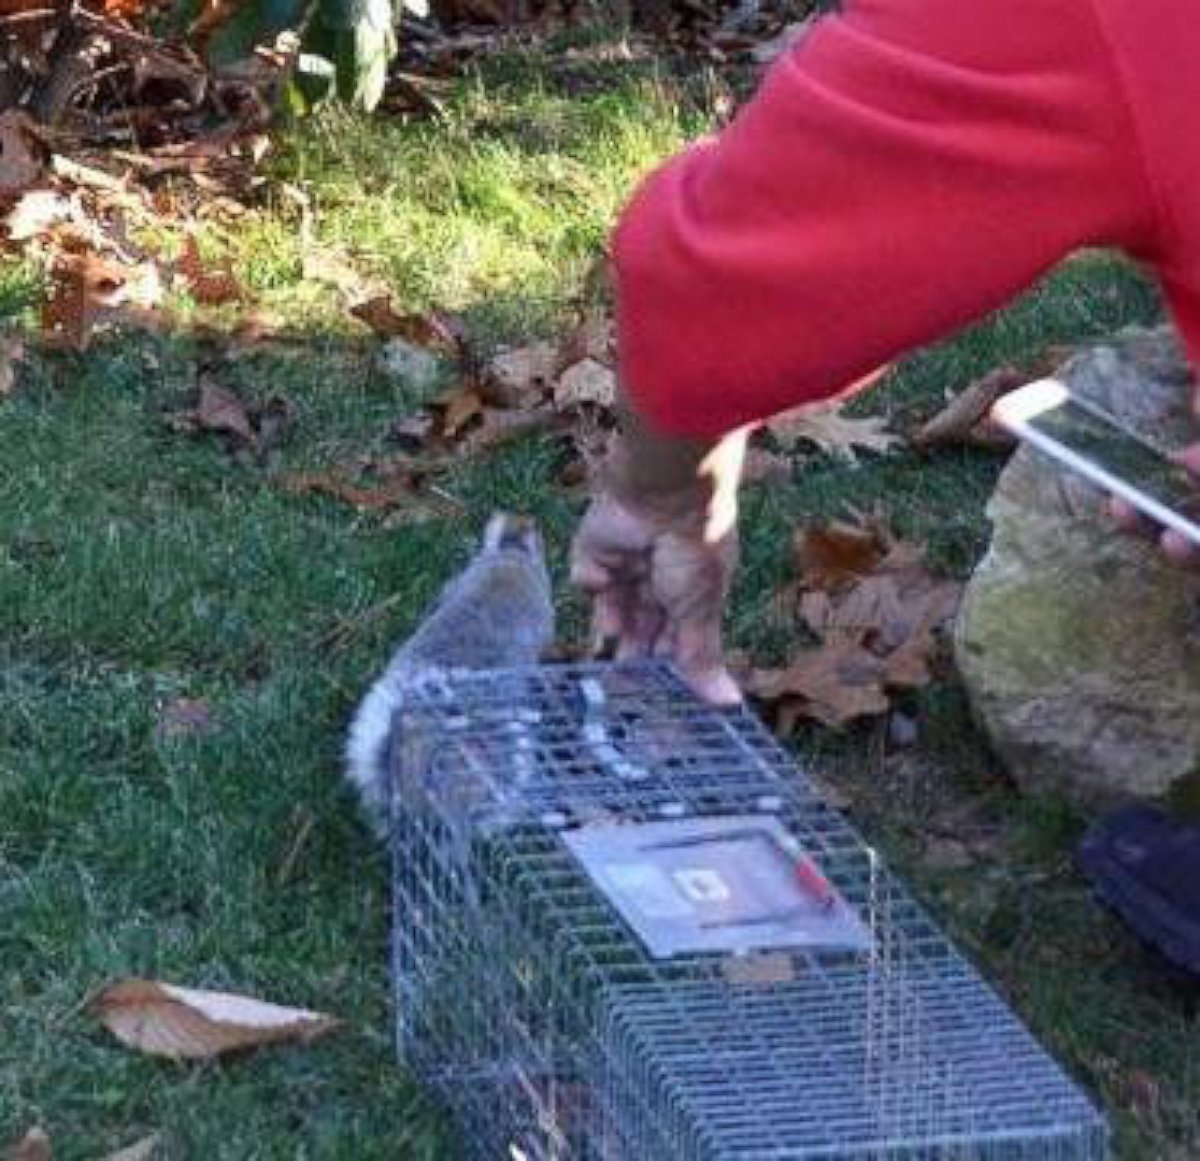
(912, 165)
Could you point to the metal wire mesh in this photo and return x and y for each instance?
(553, 1033)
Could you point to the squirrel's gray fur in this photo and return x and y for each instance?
(497, 613)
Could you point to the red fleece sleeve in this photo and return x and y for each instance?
(909, 167)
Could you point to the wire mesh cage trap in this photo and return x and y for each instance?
(626, 927)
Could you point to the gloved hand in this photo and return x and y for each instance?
(657, 550)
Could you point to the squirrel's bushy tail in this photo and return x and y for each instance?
(495, 614)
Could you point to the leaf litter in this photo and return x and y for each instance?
(873, 610)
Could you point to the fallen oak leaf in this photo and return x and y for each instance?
(190, 1024)
(12, 353)
(209, 287)
(220, 410)
(23, 151)
(146, 1149)
(34, 1146)
(459, 407)
(875, 609)
(501, 427)
(383, 497)
(247, 430)
(514, 376)
(761, 969)
(184, 717)
(947, 854)
(828, 556)
(766, 467)
(36, 213)
(835, 684)
(334, 267)
(824, 425)
(413, 432)
(587, 382)
(593, 338)
(83, 289)
(425, 330)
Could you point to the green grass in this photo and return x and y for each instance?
(139, 565)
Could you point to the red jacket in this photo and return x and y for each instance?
(910, 166)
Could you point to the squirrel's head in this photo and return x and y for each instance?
(509, 533)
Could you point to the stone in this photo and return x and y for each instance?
(1079, 645)
(414, 366)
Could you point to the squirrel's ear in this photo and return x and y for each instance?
(504, 530)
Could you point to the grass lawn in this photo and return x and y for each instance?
(139, 565)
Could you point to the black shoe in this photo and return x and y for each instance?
(1146, 866)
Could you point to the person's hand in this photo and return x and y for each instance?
(658, 548)
(658, 586)
(1175, 546)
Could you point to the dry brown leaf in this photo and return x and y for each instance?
(425, 330)
(144, 1150)
(587, 382)
(835, 684)
(766, 467)
(36, 213)
(189, 1024)
(908, 667)
(34, 1146)
(875, 610)
(824, 425)
(12, 352)
(84, 289)
(947, 854)
(208, 286)
(791, 36)
(384, 496)
(184, 717)
(332, 267)
(413, 432)
(500, 427)
(1144, 1093)
(459, 408)
(221, 411)
(515, 376)
(593, 338)
(253, 431)
(23, 151)
(761, 970)
(257, 327)
(828, 557)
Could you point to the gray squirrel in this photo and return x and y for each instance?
(498, 613)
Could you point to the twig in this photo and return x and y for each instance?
(296, 846)
(16, 18)
(79, 174)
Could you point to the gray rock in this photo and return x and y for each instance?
(1080, 646)
(414, 365)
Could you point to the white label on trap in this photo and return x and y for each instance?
(702, 885)
(650, 889)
